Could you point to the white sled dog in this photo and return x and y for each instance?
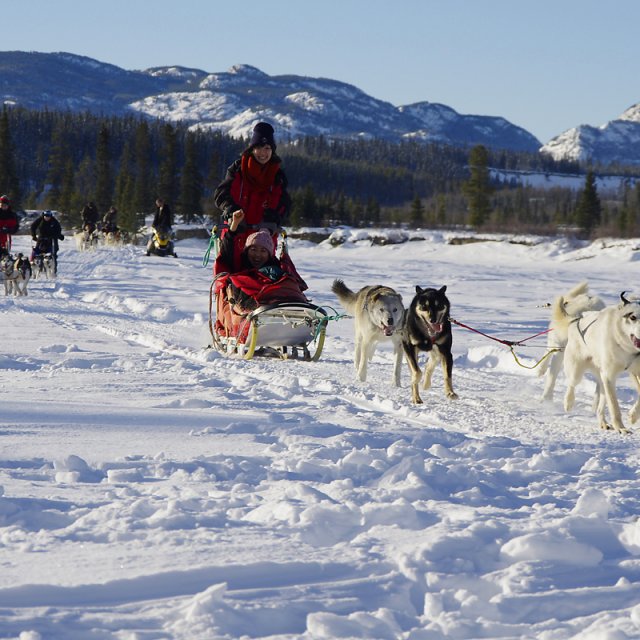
(605, 342)
(378, 312)
(564, 308)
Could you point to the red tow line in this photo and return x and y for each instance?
(509, 343)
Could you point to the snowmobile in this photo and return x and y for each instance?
(161, 244)
(261, 318)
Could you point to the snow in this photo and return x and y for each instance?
(151, 488)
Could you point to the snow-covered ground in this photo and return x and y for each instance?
(153, 489)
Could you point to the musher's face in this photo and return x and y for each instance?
(258, 256)
(263, 153)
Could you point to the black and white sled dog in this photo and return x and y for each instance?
(427, 328)
(378, 312)
(605, 342)
(43, 265)
(16, 273)
(570, 306)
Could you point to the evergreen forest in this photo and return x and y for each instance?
(61, 160)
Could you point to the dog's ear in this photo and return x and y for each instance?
(419, 289)
(624, 300)
(442, 289)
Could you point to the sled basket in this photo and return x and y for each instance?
(287, 330)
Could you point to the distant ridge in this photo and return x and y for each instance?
(234, 100)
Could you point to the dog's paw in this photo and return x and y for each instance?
(452, 395)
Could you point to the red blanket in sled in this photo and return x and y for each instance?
(238, 294)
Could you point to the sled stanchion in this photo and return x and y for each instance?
(251, 349)
(213, 336)
(320, 343)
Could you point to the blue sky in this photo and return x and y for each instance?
(546, 65)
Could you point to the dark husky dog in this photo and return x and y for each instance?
(427, 328)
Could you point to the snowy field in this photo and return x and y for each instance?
(152, 489)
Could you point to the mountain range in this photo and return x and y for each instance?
(234, 100)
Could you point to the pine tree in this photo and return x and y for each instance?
(68, 200)
(167, 175)
(85, 177)
(589, 210)
(478, 188)
(142, 199)
(191, 182)
(309, 210)
(127, 218)
(104, 179)
(9, 184)
(59, 155)
(417, 212)
(373, 211)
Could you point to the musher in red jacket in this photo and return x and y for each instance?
(256, 185)
(8, 224)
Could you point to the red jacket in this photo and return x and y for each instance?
(8, 221)
(266, 202)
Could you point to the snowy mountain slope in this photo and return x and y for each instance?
(152, 488)
(233, 101)
(616, 141)
(66, 81)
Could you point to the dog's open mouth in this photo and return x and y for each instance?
(636, 341)
(387, 329)
(435, 328)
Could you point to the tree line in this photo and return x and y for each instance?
(61, 160)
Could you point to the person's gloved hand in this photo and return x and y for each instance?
(60, 237)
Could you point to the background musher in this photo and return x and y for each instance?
(8, 224)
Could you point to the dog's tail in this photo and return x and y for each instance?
(578, 290)
(345, 295)
(560, 319)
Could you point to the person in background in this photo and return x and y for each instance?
(45, 232)
(90, 216)
(8, 224)
(162, 221)
(110, 220)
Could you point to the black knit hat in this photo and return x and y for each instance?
(263, 134)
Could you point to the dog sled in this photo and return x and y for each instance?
(255, 316)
